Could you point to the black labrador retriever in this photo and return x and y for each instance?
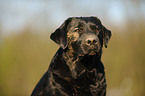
(76, 69)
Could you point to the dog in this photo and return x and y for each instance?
(76, 69)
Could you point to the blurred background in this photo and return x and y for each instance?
(26, 50)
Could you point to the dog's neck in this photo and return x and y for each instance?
(75, 62)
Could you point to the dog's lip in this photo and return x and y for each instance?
(91, 52)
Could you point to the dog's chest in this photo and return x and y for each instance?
(89, 84)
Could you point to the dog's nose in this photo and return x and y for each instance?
(91, 41)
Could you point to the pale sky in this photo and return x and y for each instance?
(17, 14)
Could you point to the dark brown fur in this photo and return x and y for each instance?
(76, 69)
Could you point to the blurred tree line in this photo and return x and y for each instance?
(24, 58)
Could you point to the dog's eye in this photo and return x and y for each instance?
(97, 29)
(77, 30)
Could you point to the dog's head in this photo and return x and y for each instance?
(83, 35)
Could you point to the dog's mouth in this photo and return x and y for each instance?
(89, 60)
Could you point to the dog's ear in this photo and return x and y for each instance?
(106, 36)
(60, 34)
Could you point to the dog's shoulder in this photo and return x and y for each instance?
(57, 59)
(58, 55)
(58, 64)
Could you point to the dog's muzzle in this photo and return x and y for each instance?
(91, 41)
(90, 44)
